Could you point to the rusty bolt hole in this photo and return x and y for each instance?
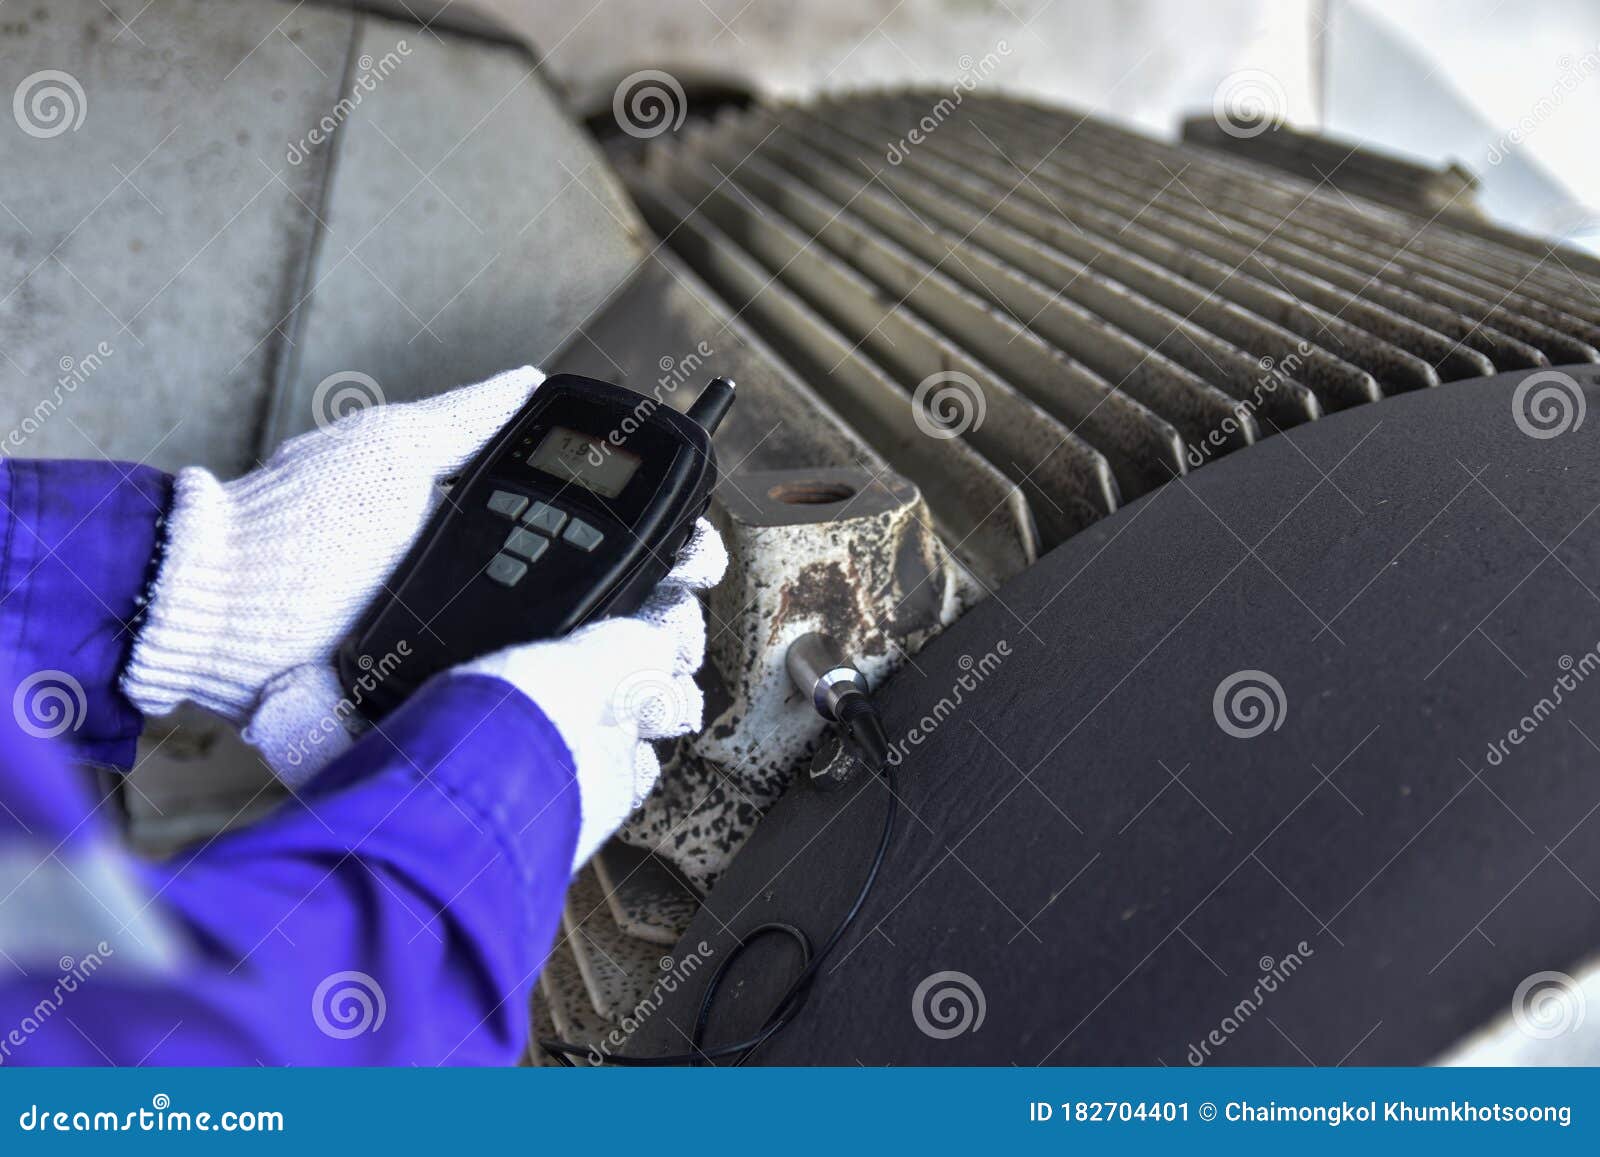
(811, 493)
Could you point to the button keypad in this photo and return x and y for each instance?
(583, 536)
(546, 519)
(526, 544)
(538, 525)
(505, 570)
(507, 504)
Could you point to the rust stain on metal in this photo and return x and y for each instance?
(821, 590)
(866, 568)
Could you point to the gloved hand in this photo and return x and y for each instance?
(608, 688)
(265, 575)
(613, 686)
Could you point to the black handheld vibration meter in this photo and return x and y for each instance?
(573, 512)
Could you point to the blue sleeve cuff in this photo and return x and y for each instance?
(79, 538)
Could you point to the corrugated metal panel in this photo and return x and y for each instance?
(1110, 310)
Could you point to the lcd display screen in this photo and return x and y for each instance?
(590, 462)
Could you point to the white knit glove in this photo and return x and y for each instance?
(264, 576)
(608, 688)
(612, 686)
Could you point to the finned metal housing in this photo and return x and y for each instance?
(1037, 316)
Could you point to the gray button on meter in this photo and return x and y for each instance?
(506, 503)
(583, 536)
(505, 570)
(526, 544)
(546, 518)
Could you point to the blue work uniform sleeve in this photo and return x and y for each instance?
(397, 911)
(78, 543)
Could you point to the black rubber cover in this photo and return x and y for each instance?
(1115, 872)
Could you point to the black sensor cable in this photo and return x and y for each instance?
(839, 693)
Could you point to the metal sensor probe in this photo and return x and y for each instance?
(838, 692)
